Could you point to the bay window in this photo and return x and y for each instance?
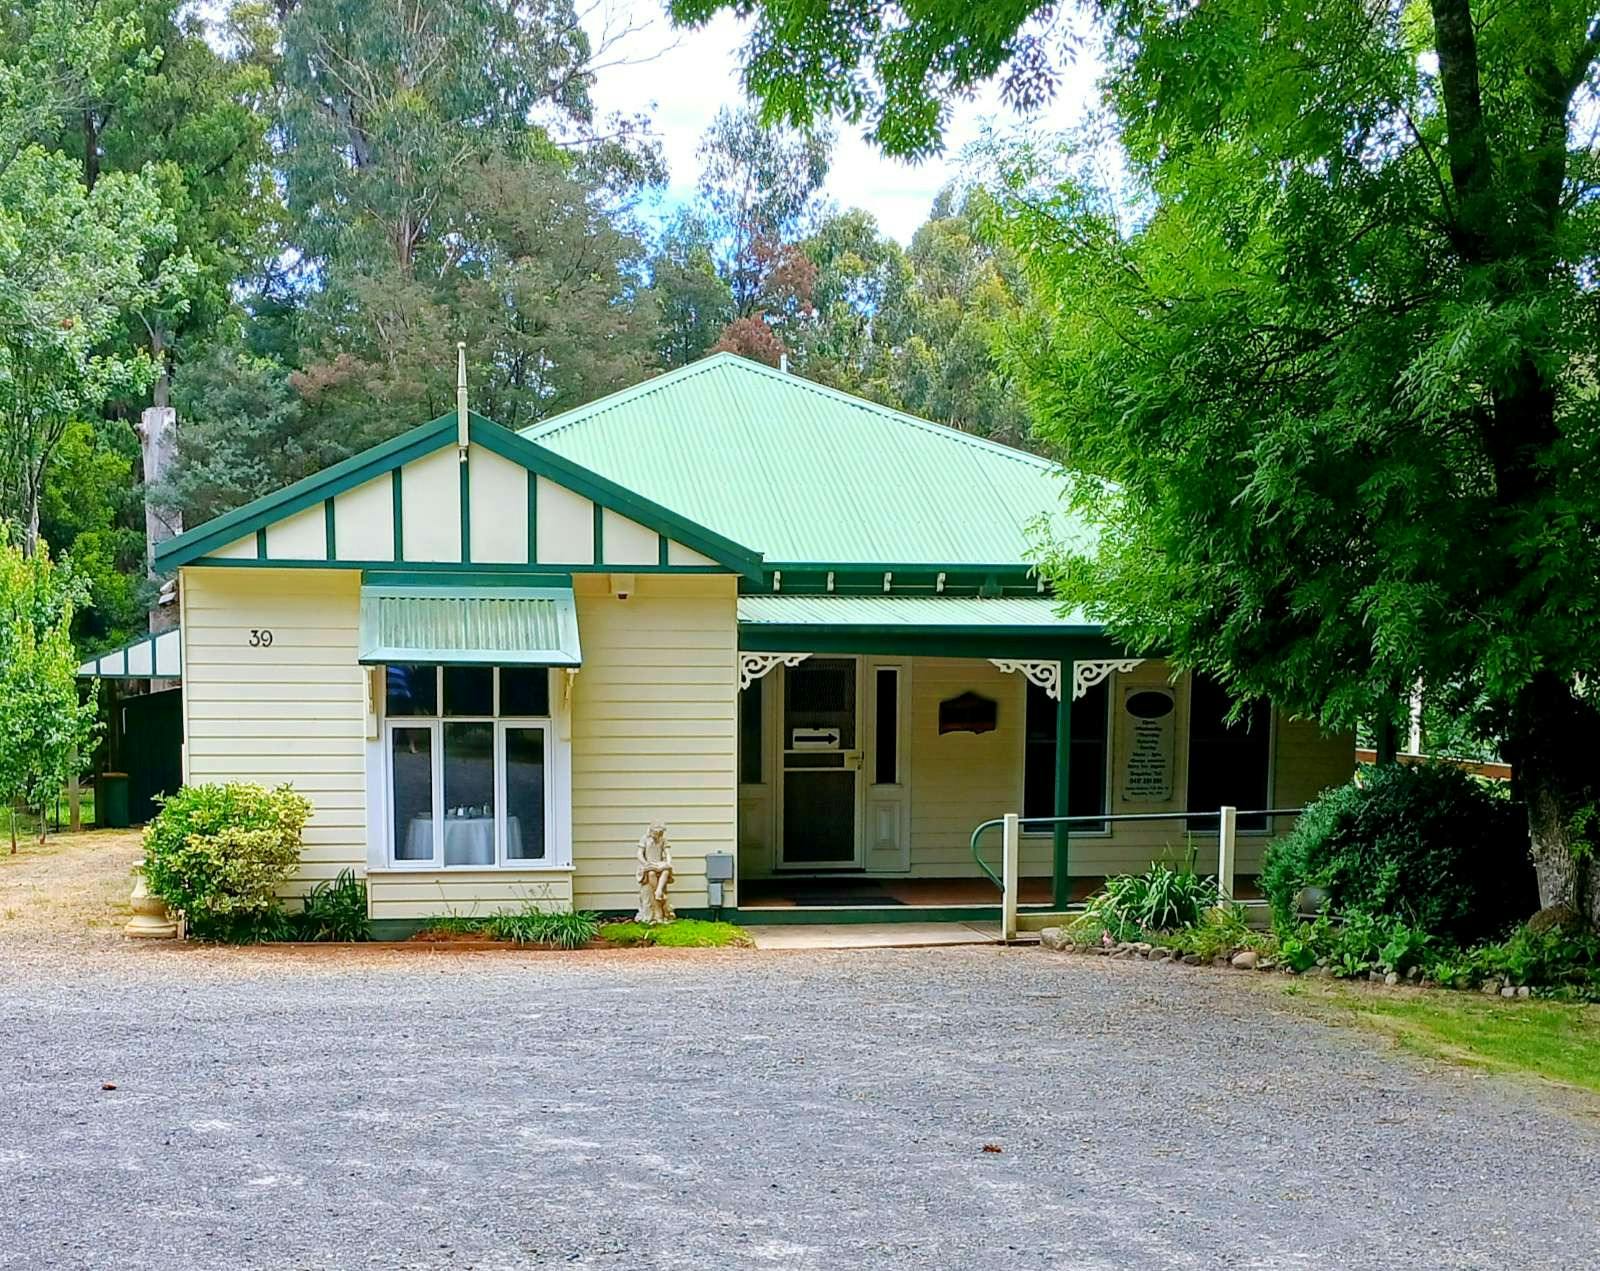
(468, 751)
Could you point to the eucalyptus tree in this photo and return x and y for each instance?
(1336, 354)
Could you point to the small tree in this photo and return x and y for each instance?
(44, 725)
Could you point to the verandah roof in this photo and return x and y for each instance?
(466, 626)
(158, 656)
(950, 613)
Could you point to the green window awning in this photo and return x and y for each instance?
(479, 626)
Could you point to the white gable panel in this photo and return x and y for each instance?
(566, 526)
(678, 554)
(431, 494)
(240, 549)
(499, 512)
(363, 521)
(302, 536)
(625, 542)
(141, 659)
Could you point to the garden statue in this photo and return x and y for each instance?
(653, 871)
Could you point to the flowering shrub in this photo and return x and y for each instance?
(218, 853)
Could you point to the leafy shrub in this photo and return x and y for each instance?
(1359, 944)
(218, 853)
(569, 930)
(336, 910)
(1220, 930)
(1427, 845)
(1160, 899)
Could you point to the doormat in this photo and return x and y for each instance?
(843, 895)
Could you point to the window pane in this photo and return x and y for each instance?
(886, 761)
(411, 755)
(1228, 763)
(525, 774)
(524, 690)
(820, 699)
(469, 812)
(750, 718)
(469, 690)
(411, 690)
(1086, 773)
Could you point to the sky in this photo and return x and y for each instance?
(682, 78)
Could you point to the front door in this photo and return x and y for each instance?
(821, 765)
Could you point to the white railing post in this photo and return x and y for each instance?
(1227, 841)
(1010, 863)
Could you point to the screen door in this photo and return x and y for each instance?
(821, 764)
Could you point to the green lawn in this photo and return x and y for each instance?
(685, 933)
(1557, 1041)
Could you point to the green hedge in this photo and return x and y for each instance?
(1441, 851)
(218, 854)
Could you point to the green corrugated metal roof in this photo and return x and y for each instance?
(890, 612)
(808, 475)
(158, 656)
(506, 626)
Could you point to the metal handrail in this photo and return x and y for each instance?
(1103, 818)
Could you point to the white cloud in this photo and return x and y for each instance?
(682, 78)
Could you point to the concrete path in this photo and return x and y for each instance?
(658, 1110)
(871, 935)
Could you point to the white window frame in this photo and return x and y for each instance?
(557, 800)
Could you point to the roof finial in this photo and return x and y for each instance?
(461, 400)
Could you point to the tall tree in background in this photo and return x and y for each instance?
(695, 301)
(72, 264)
(758, 185)
(1340, 362)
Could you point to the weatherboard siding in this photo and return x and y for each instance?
(290, 713)
(653, 733)
(465, 893)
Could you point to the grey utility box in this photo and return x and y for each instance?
(719, 867)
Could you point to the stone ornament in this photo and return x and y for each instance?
(653, 872)
(150, 919)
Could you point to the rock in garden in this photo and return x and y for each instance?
(1246, 961)
(1051, 938)
(1391, 979)
(1490, 987)
(1191, 959)
(1524, 991)
(1555, 918)
(1508, 991)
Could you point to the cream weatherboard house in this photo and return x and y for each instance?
(796, 627)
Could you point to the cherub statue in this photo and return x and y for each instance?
(653, 871)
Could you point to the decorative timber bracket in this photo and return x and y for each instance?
(1085, 675)
(1047, 675)
(752, 666)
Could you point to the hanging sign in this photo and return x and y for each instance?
(1152, 739)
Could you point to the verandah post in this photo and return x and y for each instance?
(1060, 882)
(1227, 843)
(1010, 875)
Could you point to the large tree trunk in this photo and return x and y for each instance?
(1551, 746)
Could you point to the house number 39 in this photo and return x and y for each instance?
(260, 638)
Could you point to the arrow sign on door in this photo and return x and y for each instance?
(814, 739)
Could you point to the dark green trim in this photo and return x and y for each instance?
(330, 531)
(455, 576)
(466, 509)
(397, 498)
(662, 548)
(1058, 643)
(358, 469)
(533, 516)
(261, 543)
(1060, 879)
(599, 534)
(909, 580)
(777, 915)
(451, 566)
(738, 558)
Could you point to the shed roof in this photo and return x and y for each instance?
(804, 474)
(158, 656)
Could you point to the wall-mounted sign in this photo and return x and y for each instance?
(1152, 736)
(968, 713)
(814, 739)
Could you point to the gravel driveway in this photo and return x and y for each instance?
(739, 1109)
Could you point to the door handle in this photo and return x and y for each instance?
(852, 760)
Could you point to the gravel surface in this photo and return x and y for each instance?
(644, 1109)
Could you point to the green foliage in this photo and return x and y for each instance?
(45, 727)
(1160, 899)
(72, 263)
(684, 933)
(1427, 845)
(562, 930)
(335, 909)
(1220, 931)
(218, 854)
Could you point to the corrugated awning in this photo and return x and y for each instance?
(921, 613)
(158, 656)
(493, 626)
